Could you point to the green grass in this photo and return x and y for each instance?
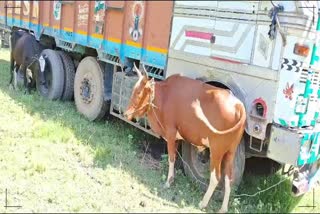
(54, 160)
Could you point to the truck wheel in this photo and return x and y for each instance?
(69, 72)
(89, 89)
(196, 166)
(52, 87)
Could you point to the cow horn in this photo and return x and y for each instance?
(137, 70)
(145, 71)
(41, 32)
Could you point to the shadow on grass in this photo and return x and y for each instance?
(119, 144)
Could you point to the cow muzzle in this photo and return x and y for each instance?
(128, 114)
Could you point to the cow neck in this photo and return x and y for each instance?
(155, 103)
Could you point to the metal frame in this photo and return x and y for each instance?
(122, 94)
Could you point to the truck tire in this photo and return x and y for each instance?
(198, 170)
(69, 73)
(89, 89)
(54, 76)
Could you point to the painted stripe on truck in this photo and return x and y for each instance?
(81, 32)
(152, 56)
(155, 49)
(115, 40)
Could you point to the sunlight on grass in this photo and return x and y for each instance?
(5, 54)
(54, 160)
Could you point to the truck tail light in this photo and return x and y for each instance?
(302, 50)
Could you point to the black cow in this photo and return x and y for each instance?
(25, 51)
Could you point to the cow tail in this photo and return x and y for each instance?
(240, 122)
(204, 119)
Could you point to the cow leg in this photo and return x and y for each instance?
(16, 72)
(172, 148)
(30, 77)
(25, 80)
(11, 67)
(215, 168)
(13, 73)
(228, 163)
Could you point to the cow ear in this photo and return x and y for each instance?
(137, 70)
(150, 83)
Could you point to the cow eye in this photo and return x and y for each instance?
(140, 94)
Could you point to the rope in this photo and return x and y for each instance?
(150, 103)
(236, 196)
(184, 162)
(34, 59)
(261, 191)
(273, 14)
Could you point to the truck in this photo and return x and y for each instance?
(265, 52)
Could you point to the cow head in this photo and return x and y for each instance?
(141, 96)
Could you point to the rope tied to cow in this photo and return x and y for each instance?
(35, 58)
(152, 106)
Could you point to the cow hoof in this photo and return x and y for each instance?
(169, 182)
(222, 211)
(166, 185)
(202, 205)
(26, 92)
(11, 87)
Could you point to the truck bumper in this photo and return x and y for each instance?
(294, 147)
(299, 148)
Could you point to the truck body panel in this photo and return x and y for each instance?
(118, 28)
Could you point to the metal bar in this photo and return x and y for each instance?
(114, 8)
(6, 15)
(67, 2)
(134, 124)
(12, 7)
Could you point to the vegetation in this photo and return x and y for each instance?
(54, 160)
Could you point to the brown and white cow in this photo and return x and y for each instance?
(184, 108)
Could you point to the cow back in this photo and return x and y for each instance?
(26, 47)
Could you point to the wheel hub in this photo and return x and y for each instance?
(201, 162)
(86, 91)
(203, 156)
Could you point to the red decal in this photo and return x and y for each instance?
(225, 60)
(288, 91)
(199, 35)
